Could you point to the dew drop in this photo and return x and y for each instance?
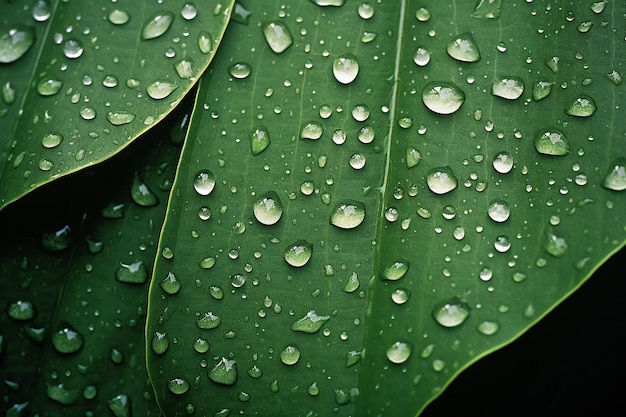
(451, 313)
(400, 295)
(170, 284)
(118, 17)
(443, 97)
(67, 339)
(312, 131)
(502, 244)
(157, 25)
(290, 355)
(160, 343)
(464, 48)
(72, 49)
(277, 35)
(348, 214)
(120, 117)
(615, 77)
(396, 270)
(21, 310)
(240, 70)
(178, 386)
(582, 106)
(224, 372)
(488, 327)
(298, 253)
(201, 345)
(184, 69)
(551, 142)
(499, 211)
(189, 11)
(553, 64)
(556, 245)
(541, 89)
(510, 88)
(49, 87)
(205, 42)
(141, 194)
(366, 134)
(204, 182)
(160, 89)
(399, 352)
(346, 68)
(360, 112)
(487, 9)
(503, 162)
(365, 11)
(422, 14)
(88, 113)
(209, 321)
(421, 57)
(134, 273)
(441, 180)
(52, 140)
(310, 323)
(615, 178)
(120, 405)
(259, 140)
(268, 209)
(15, 42)
(357, 161)
(413, 157)
(41, 11)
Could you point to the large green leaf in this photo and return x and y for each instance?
(81, 80)
(384, 315)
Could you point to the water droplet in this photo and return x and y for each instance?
(487, 9)
(88, 113)
(421, 57)
(298, 253)
(443, 97)
(615, 77)
(209, 321)
(259, 140)
(120, 117)
(224, 372)
(204, 182)
(240, 70)
(464, 48)
(585, 27)
(551, 142)
(346, 68)
(237, 280)
(366, 134)
(451, 313)
(241, 14)
(498, 211)
(365, 11)
(178, 386)
(503, 162)
(556, 245)
(582, 106)
(157, 25)
(441, 180)
(541, 89)
(134, 273)
(360, 112)
(160, 89)
(49, 87)
(310, 323)
(357, 161)
(268, 209)
(67, 339)
(170, 284)
(21, 310)
(400, 295)
(615, 178)
(396, 270)
(339, 137)
(502, 243)
(41, 11)
(184, 69)
(189, 11)
(598, 6)
(325, 3)
(313, 389)
(399, 352)
(352, 284)
(367, 36)
(277, 35)
(141, 194)
(413, 157)
(118, 17)
(72, 49)
(488, 327)
(255, 372)
(312, 131)
(52, 140)
(553, 64)
(348, 214)
(120, 405)
(15, 42)
(290, 355)
(205, 42)
(201, 345)
(62, 395)
(422, 14)
(510, 87)
(160, 343)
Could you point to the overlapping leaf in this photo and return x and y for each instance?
(81, 80)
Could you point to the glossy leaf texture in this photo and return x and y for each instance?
(81, 80)
(371, 197)
(75, 268)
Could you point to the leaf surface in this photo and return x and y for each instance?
(471, 233)
(89, 79)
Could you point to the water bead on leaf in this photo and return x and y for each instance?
(451, 313)
(399, 352)
(346, 68)
(615, 178)
(443, 97)
(118, 17)
(204, 182)
(157, 25)
(160, 343)
(441, 180)
(120, 117)
(277, 35)
(581, 106)
(158, 90)
(268, 209)
(541, 89)
(551, 142)
(170, 284)
(240, 70)
(487, 9)
(259, 140)
(499, 211)
(510, 87)
(396, 270)
(134, 273)
(178, 386)
(464, 48)
(15, 42)
(311, 131)
(67, 339)
(209, 321)
(348, 214)
(290, 355)
(310, 323)
(141, 194)
(224, 372)
(298, 253)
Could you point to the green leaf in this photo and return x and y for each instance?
(479, 218)
(81, 81)
(82, 351)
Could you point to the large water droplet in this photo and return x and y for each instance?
(464, 48)
(443, 97)
(141, 194)
(396, 270)
(348, 214)
(615, 178)
(72, 49)
(290, 355)
(503, 162)
(209, 321)
(399, 352)
(487, 9)
(52, 140)
(49, 87)
(224, 372)
(510, 87)
(120, 117)
(120, 406)
(541, 89)
(240, 70)
(184, 69)
(15, 42)
(21, 310)
(170, 284)
(310, 323)
(325, 3)
(582, 106)
(62, 395)
(441, 180)
(160, 89)
(41, 11)
(268, 209)
(277, 35)
(204, 182)
(556, 245)
(189, 11)
(400, 295)
(298, 253)
(346, 68)
(157, 25)
(421, 57)
(312, 131)
(259, 140)
(451, 313)
(135, 273)
(498, 211)
(178, 386)
(67, 339)
(118, 17)
(160, 343)
(551, 142)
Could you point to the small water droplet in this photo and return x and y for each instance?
(201, 345)
(21, 310)
(615, 178)
(290, 355)
(360, 112)
(49, 87)
(556, 245)
(365, 11)
(413, 157)
(189, 11)
(509, 87)
(184, 69)
(488, 327)
(259, 140)
(224, 372)
(41, 11)
(399, 352)
(72, 49)
(615, 77)
(134, 273)
(62, 395)
(346, 68)
(487, 9)
(204, 182)
(499, 211)
(400, 295)
(451, 313)
(88, 113)
(15, 42)
(553, 64)
(585, 26)
(551, 142)
(178, 386)
(310, 323)
(582, 106)
(268, 209)
(298, 253)
(367, 36)
(396, 270)
(160, 89)
(118, 17)
(357, 161)
(160, 343)
(312, 131)
(277, 35)
(205, 42)
(120, 117)
(240, 70)
(422, 14)
(503, 162)
(157, 25)
(141, 194)
(209, 321)
(464, 48)
(443, 97)
(441, 180)
(52, 140)
(502, 244)
(421, 57)
(541, 89)
(348, 214)
(67, 339)
(170, 284)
